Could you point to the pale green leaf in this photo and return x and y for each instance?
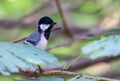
(108, 46)
(84, 78)
(18, 55)
(43, 79)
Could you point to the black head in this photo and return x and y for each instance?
(45, 20)
(45, 23)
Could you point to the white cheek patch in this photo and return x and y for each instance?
(44, 26)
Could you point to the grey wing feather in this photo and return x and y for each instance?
(33, 38)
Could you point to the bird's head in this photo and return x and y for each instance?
(45, 23)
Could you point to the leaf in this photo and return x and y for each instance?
(84, 78)
(115, 31)
(43, 79)
(18, 55)
(108, 46)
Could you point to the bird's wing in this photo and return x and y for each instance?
(18, 55)
(33, 38)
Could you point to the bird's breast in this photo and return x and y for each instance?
(43, 42)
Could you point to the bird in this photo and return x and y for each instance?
(15, 56)
(39, 38)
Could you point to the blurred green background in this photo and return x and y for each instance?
(18, 18)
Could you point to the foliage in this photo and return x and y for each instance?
(18, 19)
(44, 79)
(108, 46)
(18, 55)
(77, 78)
(10, 78)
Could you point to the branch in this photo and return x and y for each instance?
(84, 63)
(16, 41)
(33, 15)
(67, 31)
(111, 74)
(62, 44)
(12, 23)
(60, 73)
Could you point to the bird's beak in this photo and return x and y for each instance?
(54, 23)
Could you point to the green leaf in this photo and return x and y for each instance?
(18, 55)
(108, 46)
(43, 79)
(115, 31)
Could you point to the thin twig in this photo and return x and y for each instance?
(57, 28)
(67, 31)
(66, 43)
(16, 41)
(62, 44)
(54, 29)
(61, 73)
(28, 72)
